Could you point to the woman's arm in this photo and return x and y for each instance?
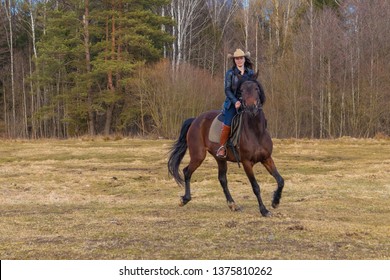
(228, 87)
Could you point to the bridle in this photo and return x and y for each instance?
(253, 109)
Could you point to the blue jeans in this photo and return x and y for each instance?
(228, 115)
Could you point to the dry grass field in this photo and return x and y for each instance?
(107, 199)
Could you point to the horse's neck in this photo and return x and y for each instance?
(254, 126)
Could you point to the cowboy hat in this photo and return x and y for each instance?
(239, 53)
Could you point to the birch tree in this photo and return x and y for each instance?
(311, 20)
(221, 13)
(9, 8)
(184, 13)
(34, 92)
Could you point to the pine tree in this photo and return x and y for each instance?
(91, 60)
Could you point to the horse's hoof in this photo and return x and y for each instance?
(266, 213)
(276, 199)
(234, 207)
(183, 201)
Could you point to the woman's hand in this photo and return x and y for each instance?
(237, 104)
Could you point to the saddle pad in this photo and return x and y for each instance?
(215, 129)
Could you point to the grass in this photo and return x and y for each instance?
(99, 199)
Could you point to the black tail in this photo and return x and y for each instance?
(178, 151)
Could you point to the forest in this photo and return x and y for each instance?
(71, 68)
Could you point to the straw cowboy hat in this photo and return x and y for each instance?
(239, 53)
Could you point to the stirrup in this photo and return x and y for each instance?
(219, 150)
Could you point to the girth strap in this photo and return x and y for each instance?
(235, 134)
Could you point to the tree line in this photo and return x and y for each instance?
(141, 67)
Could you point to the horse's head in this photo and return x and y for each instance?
(250, 94)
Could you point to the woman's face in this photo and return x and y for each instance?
(239, 61)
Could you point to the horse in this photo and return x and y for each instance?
(255, 145)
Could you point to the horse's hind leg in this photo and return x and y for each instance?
(222, 170)
(187, 194)
(270, 166)
(195, 162)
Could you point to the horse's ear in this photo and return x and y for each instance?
(254, 76)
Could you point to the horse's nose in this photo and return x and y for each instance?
(251, 101)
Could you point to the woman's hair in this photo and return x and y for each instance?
(248, 63)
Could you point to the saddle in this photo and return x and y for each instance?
(216, 126)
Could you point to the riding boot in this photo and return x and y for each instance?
(221, 153)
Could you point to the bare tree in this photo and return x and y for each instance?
(311, 15)
(8, 8)
(220, 14)
(185, 13)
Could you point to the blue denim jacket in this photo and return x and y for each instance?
(231, 81)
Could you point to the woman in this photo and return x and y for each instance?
(242, 67)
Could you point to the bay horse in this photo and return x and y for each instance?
(255, 145)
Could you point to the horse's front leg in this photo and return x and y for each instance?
(248, 167)
(222, 171)
(270, 166)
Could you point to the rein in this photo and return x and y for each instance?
(235, 134)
